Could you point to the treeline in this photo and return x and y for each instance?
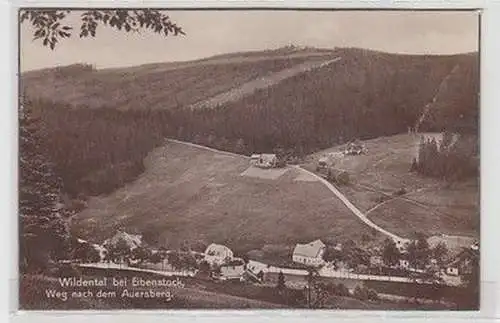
(454, 157)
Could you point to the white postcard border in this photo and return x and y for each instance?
(490, 172)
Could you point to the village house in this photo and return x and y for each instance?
(404, 264)
(217, 254)
(256, 266)
(132, 241)
(233, 270)
(461, 263)
(264, 160)
(329, 160)
(355, 148)
(310, 254)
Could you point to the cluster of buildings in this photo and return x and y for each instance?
(457, 264)
(310, 254)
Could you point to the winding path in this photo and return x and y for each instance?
(353, 208)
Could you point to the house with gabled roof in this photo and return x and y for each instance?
(264, 160)
(462, 263)
(217, 254)
(132, 241)
(310, 254)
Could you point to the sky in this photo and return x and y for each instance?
(210, 33)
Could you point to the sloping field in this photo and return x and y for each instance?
(192, 194)
(430, 206)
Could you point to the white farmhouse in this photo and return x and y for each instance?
(132, 241)
(264, 160)
(310, 254)
(217, 254)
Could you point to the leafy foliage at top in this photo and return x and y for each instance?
(50, 25)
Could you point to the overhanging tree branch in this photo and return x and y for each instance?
(50, 25)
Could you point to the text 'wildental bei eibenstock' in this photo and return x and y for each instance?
(113, 287)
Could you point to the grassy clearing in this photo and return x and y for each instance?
(192, 194)
(431, 206)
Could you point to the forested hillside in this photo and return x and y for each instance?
(364, 95)
(97, 148)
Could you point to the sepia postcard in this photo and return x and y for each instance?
(248, 159)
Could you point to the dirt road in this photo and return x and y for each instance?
(353, 208)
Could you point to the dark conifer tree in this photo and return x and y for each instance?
(43, 230)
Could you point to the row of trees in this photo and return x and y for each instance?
(455, 157)
(418, 253)
(121, 253)
(351, 254)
